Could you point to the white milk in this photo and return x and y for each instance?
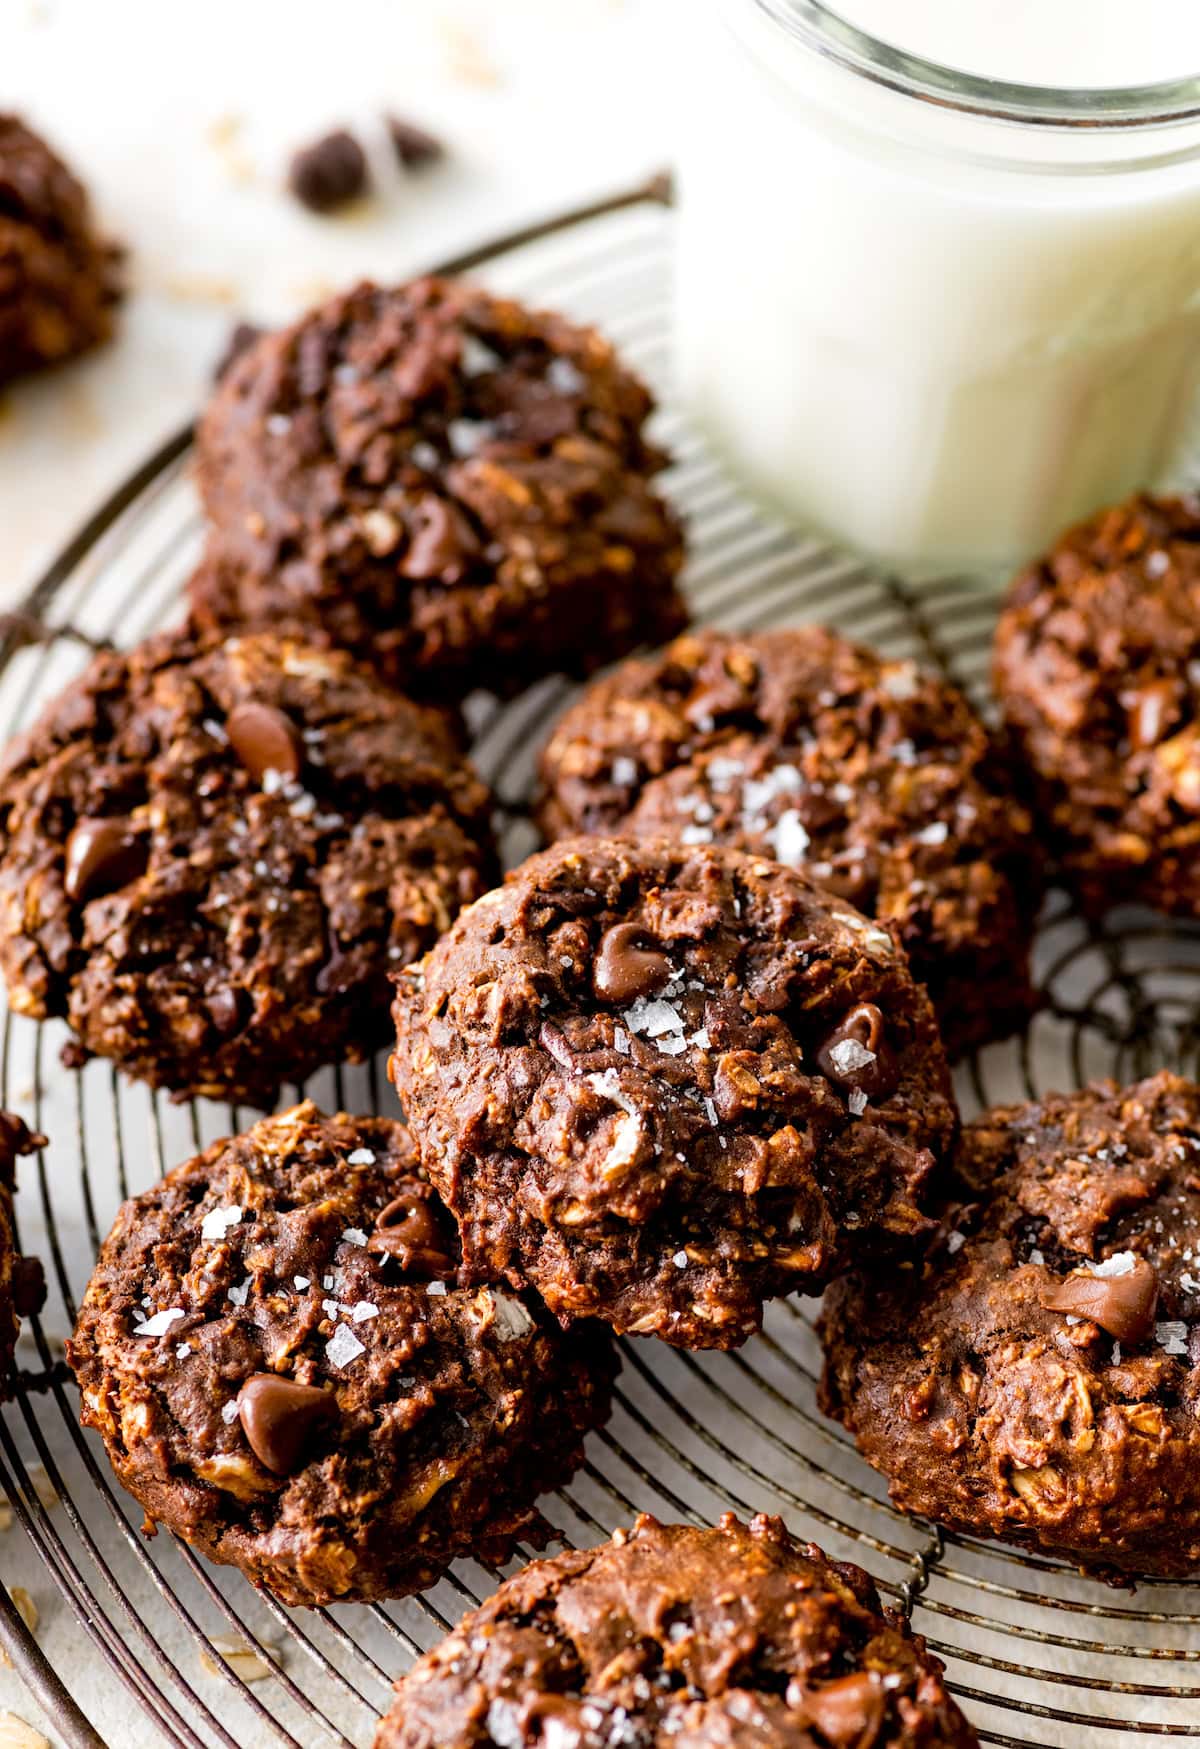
(938, 335)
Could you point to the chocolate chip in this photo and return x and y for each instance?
(265, 739)
(1123, 1305)
(856, 1053)
(414, 147)
(626, 967)
(410, 1229)
(441, 541)
(102, 856)
(329, 173)
(848, 1712)
(28, 1286)
(227, 1009)
(279, 1418)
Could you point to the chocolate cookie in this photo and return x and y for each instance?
(661, 1083)
(212, 858)
(22, 1284)
(454, 487)
(285, 1371)
(58, 279)
(1097, 668)
(701, 1639)
(878, 780)
(1039, 1378)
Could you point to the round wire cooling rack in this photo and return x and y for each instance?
(131, 1646)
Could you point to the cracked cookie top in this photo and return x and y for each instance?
(283, 1365)
(662, 1083)
(1039, 1377)
(706, 1639)
(454, 487)
(213, 855)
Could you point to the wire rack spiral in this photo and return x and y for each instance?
(1038, 1655)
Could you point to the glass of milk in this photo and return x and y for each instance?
(939, 261)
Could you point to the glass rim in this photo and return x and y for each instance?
(1100, 108)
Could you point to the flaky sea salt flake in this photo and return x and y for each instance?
(160, 1323)
(343, 1346)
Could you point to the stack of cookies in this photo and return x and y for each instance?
(689, 1057)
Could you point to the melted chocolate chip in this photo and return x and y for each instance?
(265, 739)
(330, 172)
(102, 856)
(856, 1053)
(413, 146)
(411, 1230)
(625, 967)
(227, 1009)
(279, 1418)
(848, 1712)
(1123, 1305)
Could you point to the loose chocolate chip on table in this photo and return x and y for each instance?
(103, 855)
(265, 739)
(414, 147)
(279, 1417)
(329, 173)
(626, 967)
(856, 1053)
(1123, 1305)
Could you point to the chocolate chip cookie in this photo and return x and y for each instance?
(454, 487)
(212, 858)
(58, 278)
(670, 1635)
(662, 1083)
(22, 1284)
(286, 1372)
(1039, 1378)
(1097, 668)
(877, 779)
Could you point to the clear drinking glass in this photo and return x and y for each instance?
(938, 316)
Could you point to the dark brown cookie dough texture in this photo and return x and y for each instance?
(663, 1083)
(1039, 1378)
(22, 1283)
(58, 279)
(875, 778)
(212, 858)
(1097, 669)
(739, 1637)
(454, 487)
(285, 1371)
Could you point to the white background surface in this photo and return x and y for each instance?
(180, 115)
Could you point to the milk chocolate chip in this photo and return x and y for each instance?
(265, 739)
(410, 1230)
(102, 856)
(279, 1417)
(1123, 1305)
(625, 967)
(848, 1712)
(856, 1053)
